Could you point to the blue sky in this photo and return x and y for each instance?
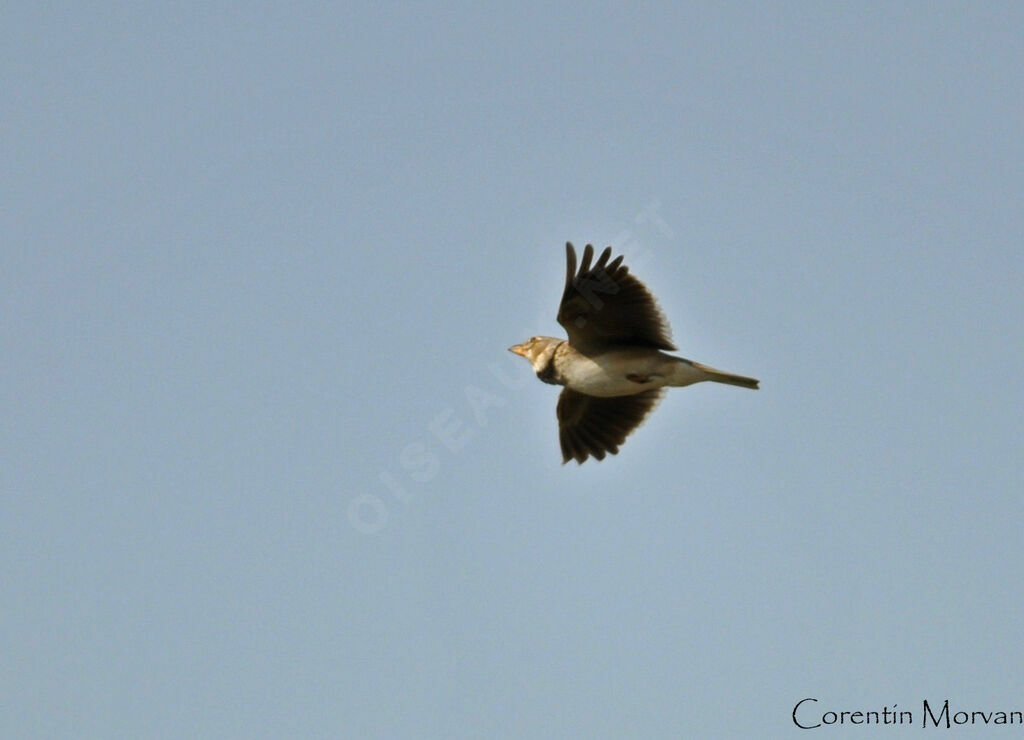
(267, 468)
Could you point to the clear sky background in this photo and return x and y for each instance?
(268, 469)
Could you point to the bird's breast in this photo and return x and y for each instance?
(608, 374)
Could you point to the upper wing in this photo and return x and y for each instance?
(603, 304)
(589, 425)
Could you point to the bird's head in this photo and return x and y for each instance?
(537, 350)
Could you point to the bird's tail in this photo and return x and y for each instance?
(728, 378)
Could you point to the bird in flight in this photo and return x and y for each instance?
(612, 367)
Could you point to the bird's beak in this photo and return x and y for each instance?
(518, 349)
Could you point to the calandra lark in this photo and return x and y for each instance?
(612, 365)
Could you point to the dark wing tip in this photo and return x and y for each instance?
(588, 255)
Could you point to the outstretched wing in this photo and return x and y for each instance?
(589, 425)
(604, 305)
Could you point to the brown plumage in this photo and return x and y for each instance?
(589, 425)
(612, 366)
(604, 304)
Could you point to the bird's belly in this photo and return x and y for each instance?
(609, 374)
